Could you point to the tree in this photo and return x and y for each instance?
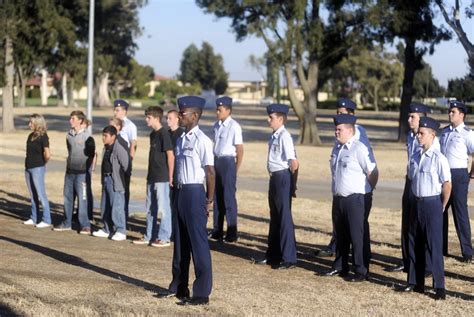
(300, 39)
(455, 24)
(203, 67)
(425, 85)
(116, 27)
(461, 88)
(374, 73)
(11, 13)
(412, 22)
(138, 76)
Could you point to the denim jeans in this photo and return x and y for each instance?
(112, 207)
(75, 183)
(35, 181)
(158, 201)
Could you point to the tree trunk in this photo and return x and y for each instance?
(21, 87)
(407, 88)
(7, 95)
(64, 89)
(102, 94)
(306, 117)
(44, 87)
(70, 93)
(376, 98)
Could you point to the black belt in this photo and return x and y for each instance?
(107, 174)
(278, 172)
(435, 197)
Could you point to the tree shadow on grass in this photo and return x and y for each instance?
(77, 261)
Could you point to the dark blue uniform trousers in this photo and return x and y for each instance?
(225, 203)
(458, 204)
(367, 249)
(191, 239)
(425, 226)
(348, 214)
(281, 235)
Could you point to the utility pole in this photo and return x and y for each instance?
(90, 62)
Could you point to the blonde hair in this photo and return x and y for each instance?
(116, 122)
(39, 125)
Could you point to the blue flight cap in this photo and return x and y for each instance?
(277, 107)
(458, 104)
(416, 107)
(344, 118)
(224, 101)
(346, 103)
(191, 102)
(427, 122)
(121, 103)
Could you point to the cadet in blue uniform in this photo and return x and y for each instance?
(347, 106)
(281, 164)
(353, 170)
(228, 154)
(457, 143)
(194, 165)
(430, 186)
(416, 111)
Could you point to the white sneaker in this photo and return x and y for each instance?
(100, 233)
(29, 222)
(119, 237)
(43, 224)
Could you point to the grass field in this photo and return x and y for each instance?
(46, 273)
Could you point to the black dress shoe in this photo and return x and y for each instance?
(168, 294)
(284, 266)
(397, 268)
(409, 288)
(216, 235)
(466, 259)
(230, 239)
(260, 262)
(358, 278)
(414, 288)
(194, 301)
(324, 253)
(336, 273)
(440, 294)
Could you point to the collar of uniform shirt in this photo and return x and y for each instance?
(225, 122)
(278, 131)
(458, 128)
(349, 143)
(192, 131)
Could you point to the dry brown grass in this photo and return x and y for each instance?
(46, 273)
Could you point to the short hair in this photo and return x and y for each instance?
(282, 115)
(87, 122)
(79, 114)
(117, 122)
(173, 111)
(110, 129)
(154, 111)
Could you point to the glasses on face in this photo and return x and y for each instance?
(182, 114)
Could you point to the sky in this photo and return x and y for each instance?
(170, 26)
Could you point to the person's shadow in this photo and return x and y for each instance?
(77, 261)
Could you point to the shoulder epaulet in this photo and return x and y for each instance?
(467, 128)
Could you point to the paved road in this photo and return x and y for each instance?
(387, 195)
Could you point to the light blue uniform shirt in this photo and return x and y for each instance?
(413, 146)
(428, 171)
(457, 144)
(361, 135)
(193, 153)
(129, 131)
(227, 135)
(280, 150)
(350, 165)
